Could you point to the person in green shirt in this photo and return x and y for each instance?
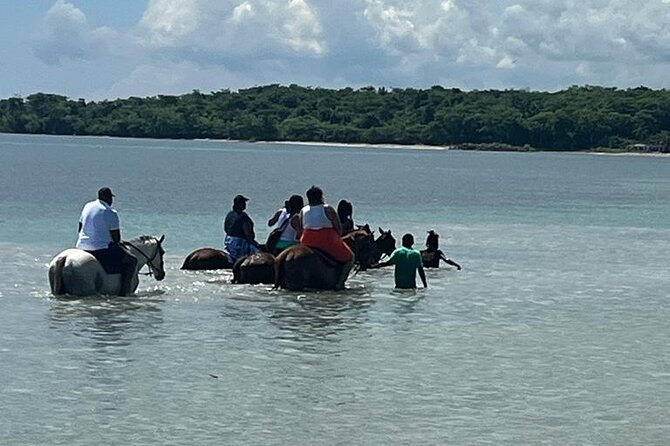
(407, 262)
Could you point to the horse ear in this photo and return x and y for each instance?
(381, 231)
(161, 239)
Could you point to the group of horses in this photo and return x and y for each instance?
(299, 266)
(77, 273)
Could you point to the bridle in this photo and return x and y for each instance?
(150, 260)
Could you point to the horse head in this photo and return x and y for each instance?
(157, 265)
(360, 241)
(365, 227)
(151, 253)
(384, 244)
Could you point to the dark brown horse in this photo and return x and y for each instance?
(383, 245)
(360, 241)
(300, 267)
(366, 248)
(255, 268)
(206, 258)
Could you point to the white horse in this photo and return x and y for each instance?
(77, 273)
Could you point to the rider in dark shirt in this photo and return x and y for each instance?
(240, 239)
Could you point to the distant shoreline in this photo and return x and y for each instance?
(459, 147)
(578, 119)
(466, 147)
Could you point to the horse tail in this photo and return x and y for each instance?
(56, 277)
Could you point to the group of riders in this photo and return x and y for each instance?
(316, 225)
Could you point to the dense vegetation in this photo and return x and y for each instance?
(576, 118)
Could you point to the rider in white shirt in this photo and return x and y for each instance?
(100, 235)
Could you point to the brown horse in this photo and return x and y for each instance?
(206, 258)
(383, 245)
(360, 241)
(255, 268)
(366, 248)
(300, 267)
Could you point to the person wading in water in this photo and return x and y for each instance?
(407, 263)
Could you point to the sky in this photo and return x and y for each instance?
(106, 49)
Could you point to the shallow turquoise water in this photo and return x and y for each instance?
(555, 332)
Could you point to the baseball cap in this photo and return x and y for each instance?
(105, 192)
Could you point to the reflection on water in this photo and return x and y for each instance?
(110, 321)
(106, 328)
(318, 316)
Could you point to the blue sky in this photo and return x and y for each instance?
(106, 49)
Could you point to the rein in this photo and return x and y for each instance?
(149, 260)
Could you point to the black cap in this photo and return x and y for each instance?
(240, 199)
(105, 192)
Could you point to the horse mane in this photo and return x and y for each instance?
(144, 239)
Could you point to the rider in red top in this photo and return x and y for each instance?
(320, 228)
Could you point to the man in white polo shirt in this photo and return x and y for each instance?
(100, 235)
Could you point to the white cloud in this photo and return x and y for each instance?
(220, 28)
(506, 62)
(167, 22)
(66, 34)
(590, 30)
(545, 44)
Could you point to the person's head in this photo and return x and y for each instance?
(294, 204)
(240, 203)
(105, 194)
(432, 240)
(344, 210)
(407, 240)
(314, 196)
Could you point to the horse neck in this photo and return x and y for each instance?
(143, 250)
(376, 252)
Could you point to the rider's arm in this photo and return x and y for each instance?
(116, 235)
(298, 225)
(334, 219)
(248, 229)
(274, 218)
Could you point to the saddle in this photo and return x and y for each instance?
(110, 259)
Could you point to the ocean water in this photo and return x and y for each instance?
(555, 332)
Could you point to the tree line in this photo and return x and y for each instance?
(579, 118)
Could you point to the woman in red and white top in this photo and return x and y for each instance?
(320, 228)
